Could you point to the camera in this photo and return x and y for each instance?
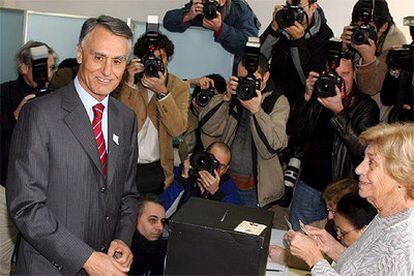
(290, 13)
(211, 7)
(203, 96)
(246, 89)
(361, 33)
(152, 64)
(328, 80)
(203, 160)
(40, 55)
(403, 58)
(398, 87)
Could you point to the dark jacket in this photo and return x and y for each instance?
(309, 50)
(12, 93)
(183, 188)
(238, 24)
(347, 150)
(148, 255)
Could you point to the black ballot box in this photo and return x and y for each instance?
(214, 238)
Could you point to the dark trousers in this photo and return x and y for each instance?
(150, 178)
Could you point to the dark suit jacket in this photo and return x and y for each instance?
(58, 197)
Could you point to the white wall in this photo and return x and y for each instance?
(338, 12)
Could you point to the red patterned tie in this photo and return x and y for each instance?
(99, 137)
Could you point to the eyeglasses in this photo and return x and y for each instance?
(333, 211)
(341, 234)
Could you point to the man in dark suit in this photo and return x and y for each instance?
(71, 190)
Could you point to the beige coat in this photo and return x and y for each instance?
(221, 125)
(169, 116)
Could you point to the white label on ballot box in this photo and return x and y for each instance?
(249, 227)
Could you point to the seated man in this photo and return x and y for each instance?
(255, 130)
(148, 245)
(328, 127)
(161, 107)
(232, 24)
(217, 187)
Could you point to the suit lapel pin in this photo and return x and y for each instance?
(115, 138)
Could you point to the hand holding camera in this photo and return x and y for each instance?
(213, 24)
(287, 16)
(209, 182)
(275, 26)
(196, 9)
(133, 68)
(231, 88)
(310, 84)
(155, 84)
(333, 103)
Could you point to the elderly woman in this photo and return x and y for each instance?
(386, 180)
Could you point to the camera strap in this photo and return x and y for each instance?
(294, 51)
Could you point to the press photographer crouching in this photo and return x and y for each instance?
(160, 101)
(398, 87)
(204, 90)
(35, 63)
(202, 174)
(251, 118)
(327, 121)
(371, 34)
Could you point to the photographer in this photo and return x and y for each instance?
(398, 88)
(160, 101)
(328, 126)
(372, 51)
(204, 89)
(232, 22)
(296, 47)
(203, 174)
(14, 95)
(254, 128)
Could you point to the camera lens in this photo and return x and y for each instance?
(325, 85)
(210, 9)
(359, 37)
(285, 18)
(246, 89)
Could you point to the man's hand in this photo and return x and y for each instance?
(186, 167)
(333, 103)
(310, 84)
(101, 264)
(367, 52)
(210, 183)
(157, 85)
(213, 24)
(346, 36)
(275, 26)
(254, 104)
(231, 88)
(196, 8)
(134, 67)
(296, 31)
(121, 253)
(16, 113)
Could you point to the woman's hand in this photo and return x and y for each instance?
(326, 243)
(303, 247)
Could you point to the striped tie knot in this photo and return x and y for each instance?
(98, 110)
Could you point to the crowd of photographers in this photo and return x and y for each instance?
(282, 128)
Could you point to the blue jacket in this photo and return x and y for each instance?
(238, 25)
(227, 192)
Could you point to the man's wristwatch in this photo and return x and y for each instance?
(161, 95)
